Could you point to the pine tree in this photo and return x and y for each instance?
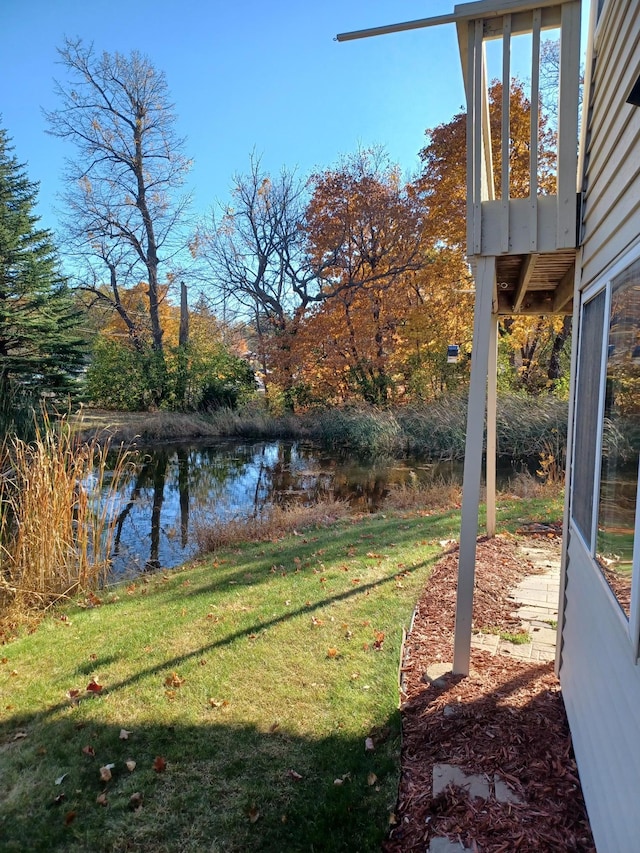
(41, 347)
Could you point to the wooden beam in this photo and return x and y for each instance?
(536, 303)
(523, 283)
(486, 273)
(564, 291)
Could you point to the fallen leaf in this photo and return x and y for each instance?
(131, 765)
(338, 781)
(14, 673)
(372, 779)
(101, 799)
(253, 814)
(19, 735)
(332, 653)
(170, 694)
(293, 775)
(124, 734)
(202, 661)
(105, 773)
(160, 764)
(4, 660)
(61, 779)
(69, 818)
(173, 680)
(94, 687)
(59, 799)
(135, 801)
(274, 727)
(379, 640)
(218, 703)
(368, 744)
(89, 750)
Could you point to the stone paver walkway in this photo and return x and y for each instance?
(537, 600)
(536, 605)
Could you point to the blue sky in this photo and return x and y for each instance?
(244, 75)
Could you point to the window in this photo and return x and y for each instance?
(607, 431)
(620, 437)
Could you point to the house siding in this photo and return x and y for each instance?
(601, 689)
(611, 191)
(598, 670)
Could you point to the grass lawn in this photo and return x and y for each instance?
(244, 687)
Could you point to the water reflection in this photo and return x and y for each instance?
(171, 488)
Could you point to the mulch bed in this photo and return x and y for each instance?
(506, 719)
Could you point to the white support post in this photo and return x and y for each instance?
(485, 282)
(505, 181)
(568, 124)
(492, 417)
(535, 126)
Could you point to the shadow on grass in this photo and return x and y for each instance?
(224, 788)
(251, 630)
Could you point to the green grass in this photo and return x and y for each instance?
(242, 672)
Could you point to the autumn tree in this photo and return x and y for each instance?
(363, 231)
(41, 345)
(124, 211)
(536, 343)
(207, 371)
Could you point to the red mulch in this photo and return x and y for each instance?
(506, 719)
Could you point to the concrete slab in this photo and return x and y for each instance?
(448, 774)
(477, 784)
(443, 845)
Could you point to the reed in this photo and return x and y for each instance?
(55, 525)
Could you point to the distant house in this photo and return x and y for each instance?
(575, 251)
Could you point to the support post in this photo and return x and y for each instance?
(485, 281)
(492, 417)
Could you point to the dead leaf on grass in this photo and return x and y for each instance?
(94, 687)
(160, 764)
(105, 772)
(69, 818)
(101, 799)
(379, 640)
(372, 779)
(253, 814)
(89, 750)
(124, 734)
(131, 765)
(135, 801)
(173, 680)
(293, 775)
(369, 745)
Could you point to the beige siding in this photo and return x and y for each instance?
(601, 689)
(611, 211)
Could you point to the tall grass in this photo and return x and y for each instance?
(55, 527)
(363, 431)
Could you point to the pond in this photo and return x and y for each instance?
(170, 489)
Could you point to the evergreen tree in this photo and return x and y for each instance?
(41, 347)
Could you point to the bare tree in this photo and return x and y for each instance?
(124, 214)
(254, 247)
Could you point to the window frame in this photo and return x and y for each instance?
(605, 283)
